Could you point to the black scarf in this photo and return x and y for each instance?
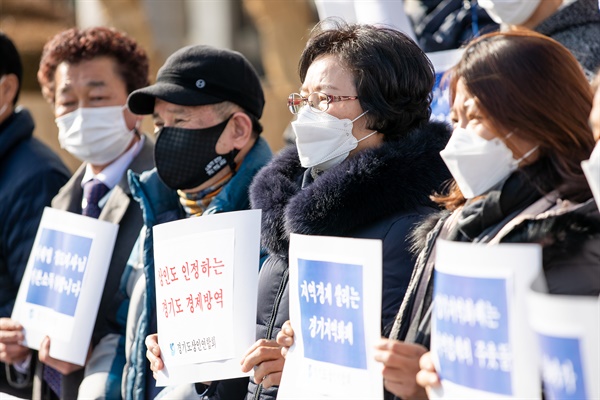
(482, 217)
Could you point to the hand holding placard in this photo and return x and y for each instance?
(63, 283)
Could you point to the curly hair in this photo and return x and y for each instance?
(392, 75)
(75, 45)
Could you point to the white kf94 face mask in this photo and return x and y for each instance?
(323, 140)
(511, 12)
(97, 135)
(591, 169)
(478, 164)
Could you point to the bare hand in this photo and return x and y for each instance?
(285, 337)
(153, 353)
(266, 359)
(401, 365)
(63, 367)
(427, 376)
(11, 337)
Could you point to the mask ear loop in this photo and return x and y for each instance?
(527, 154)
(366, 137)
(136, 127)
(530, 152)
(4, 107)
(138, 122)
(230, 157)
(359, 116)
(370, 134)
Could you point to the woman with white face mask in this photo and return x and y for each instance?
(366, 161)
(520, 106)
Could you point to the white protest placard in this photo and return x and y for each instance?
(480, 338)
(440, 103)
(206, 279)
(591, 169)
(335, 310)
(567, 329)
(63, 283)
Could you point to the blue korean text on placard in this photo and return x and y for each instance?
(60, 260)
(472, 332)
(331, 307)
(440, 102)
(562, 370)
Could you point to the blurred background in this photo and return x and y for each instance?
(270, 33)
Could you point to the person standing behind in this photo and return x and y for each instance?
(573, 23)
(86, 76)
(206, 104)
(30, 175)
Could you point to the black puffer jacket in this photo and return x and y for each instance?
(378, 193)
(30, 175)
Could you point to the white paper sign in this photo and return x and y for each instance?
(567, 329)
(335, 309)
(63, 283)
(206, 278)
(480, 338)
(591, 169)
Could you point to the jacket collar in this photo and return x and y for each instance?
(373, 184)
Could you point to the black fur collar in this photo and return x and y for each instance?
(373, 184)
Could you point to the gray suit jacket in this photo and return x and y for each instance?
(120, 209)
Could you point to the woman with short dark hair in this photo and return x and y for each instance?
(365, 163)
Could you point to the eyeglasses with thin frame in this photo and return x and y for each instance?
(317, 101)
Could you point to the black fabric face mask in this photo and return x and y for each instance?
(186, 158)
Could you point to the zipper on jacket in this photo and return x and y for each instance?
(282, 286)
(271, 324)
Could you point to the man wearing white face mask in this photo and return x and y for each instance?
(573, 23)
(86, 76)
(30, 175)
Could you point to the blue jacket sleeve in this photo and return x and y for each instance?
(20, 223)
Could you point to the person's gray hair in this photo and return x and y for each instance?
(225, 108)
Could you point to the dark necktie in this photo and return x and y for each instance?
(93, 192)
(53, 378)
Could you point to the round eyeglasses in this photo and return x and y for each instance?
(317, 101)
